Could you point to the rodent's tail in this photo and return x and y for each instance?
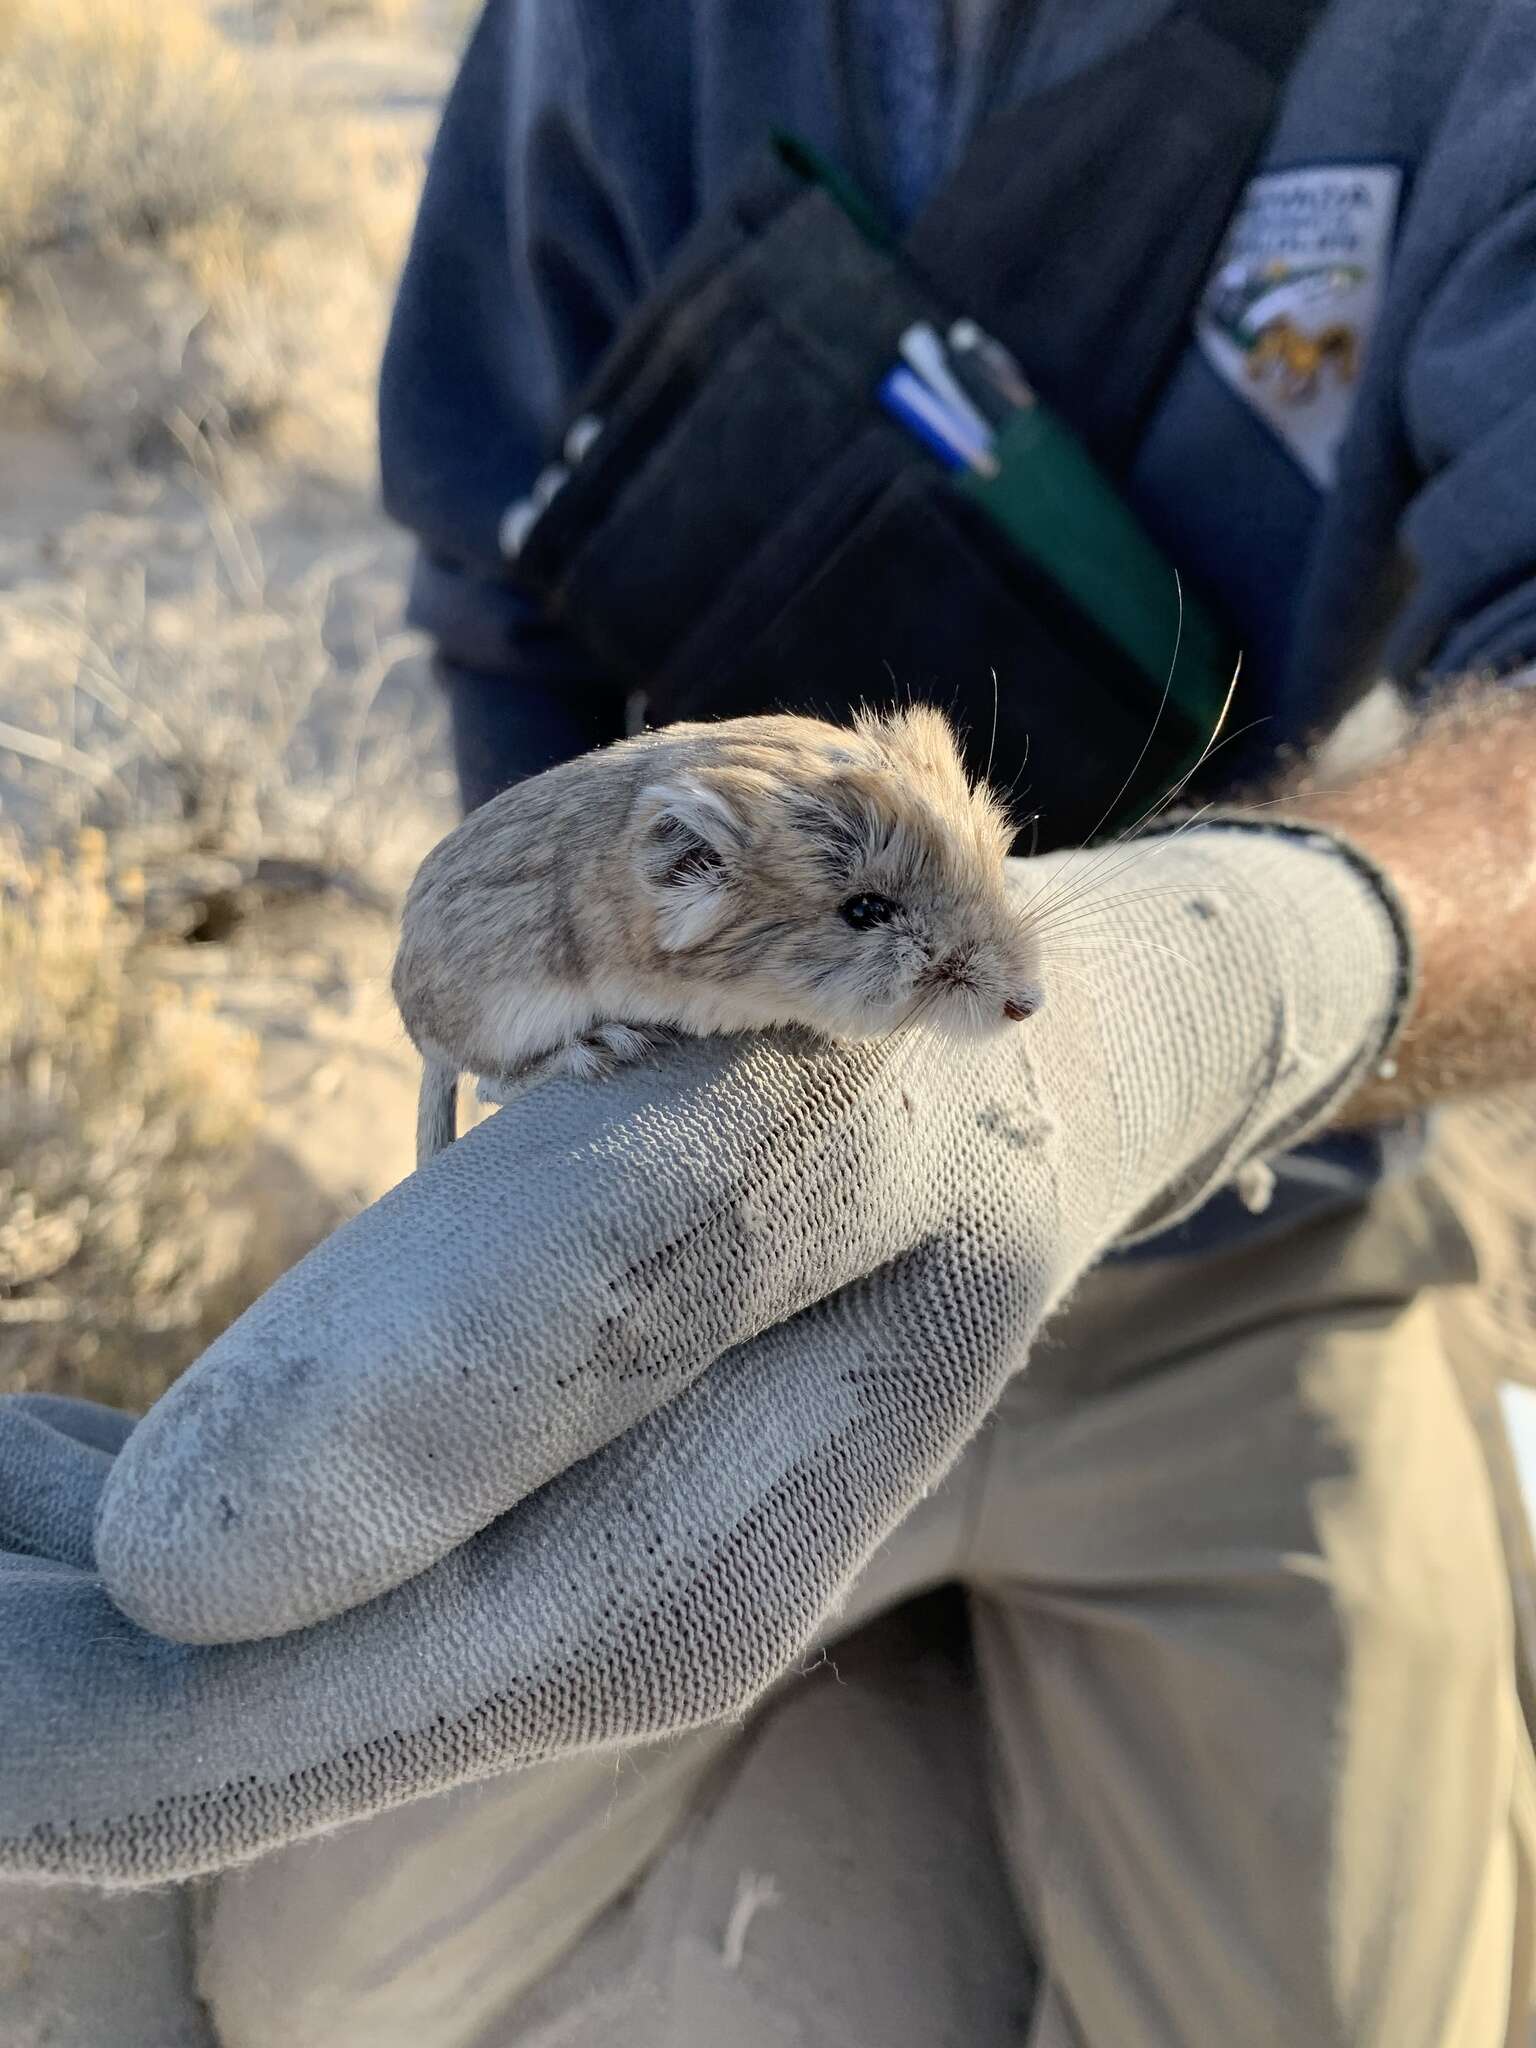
(437, 1109)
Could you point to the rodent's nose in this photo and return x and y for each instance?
(1018, 1009)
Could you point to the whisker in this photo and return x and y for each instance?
(1145, 849)
(1081, 980)
(920, 1005)
(1172, 796)
(1109, 918)
(1072, 886)
(1055, 919)
(1010, 789)
(1084, 921)
(1162, 705)
(1195, 766)
(1136, 945)
(1141, 850)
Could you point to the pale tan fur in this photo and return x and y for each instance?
(691, 879)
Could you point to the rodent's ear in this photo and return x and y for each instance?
(690, 839)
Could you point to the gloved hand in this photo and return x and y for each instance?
(582, 1433)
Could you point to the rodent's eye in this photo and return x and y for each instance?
(865, 912)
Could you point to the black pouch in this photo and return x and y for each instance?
(746, 528)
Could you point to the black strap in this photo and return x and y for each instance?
(1082, 223)
(1269, 32)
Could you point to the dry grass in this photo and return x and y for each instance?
(303, 20)
(295, 318)
(216, 732)
(184, 770)
(127, 1114)
(176, 238)
(125, 122)
(195, 264)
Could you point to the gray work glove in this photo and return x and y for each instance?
(582, 1433)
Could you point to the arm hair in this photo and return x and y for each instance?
(1449, 814)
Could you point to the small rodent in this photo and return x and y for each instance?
(710, 878)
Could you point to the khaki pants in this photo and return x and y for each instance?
(1240, 1762)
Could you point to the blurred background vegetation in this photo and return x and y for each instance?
(218, 756)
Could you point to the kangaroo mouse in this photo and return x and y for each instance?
(758, 872)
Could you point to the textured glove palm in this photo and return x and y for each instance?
(582, 1434)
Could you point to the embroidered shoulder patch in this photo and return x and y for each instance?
(1289, 310)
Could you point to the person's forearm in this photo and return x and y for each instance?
(1450, 815)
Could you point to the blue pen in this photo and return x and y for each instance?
(925, 357)
(910, 401)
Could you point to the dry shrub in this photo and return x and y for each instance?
(128, 1113)
(221, 735)
(188, 264)
(202, 768)
(120, 121)
(179, 234)
(296, 322)
(303, 20)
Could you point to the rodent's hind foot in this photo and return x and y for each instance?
(495, 1091)
(592, 1056)
(601, 1051)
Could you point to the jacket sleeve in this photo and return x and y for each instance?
(521, 267)
(1467, 393)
